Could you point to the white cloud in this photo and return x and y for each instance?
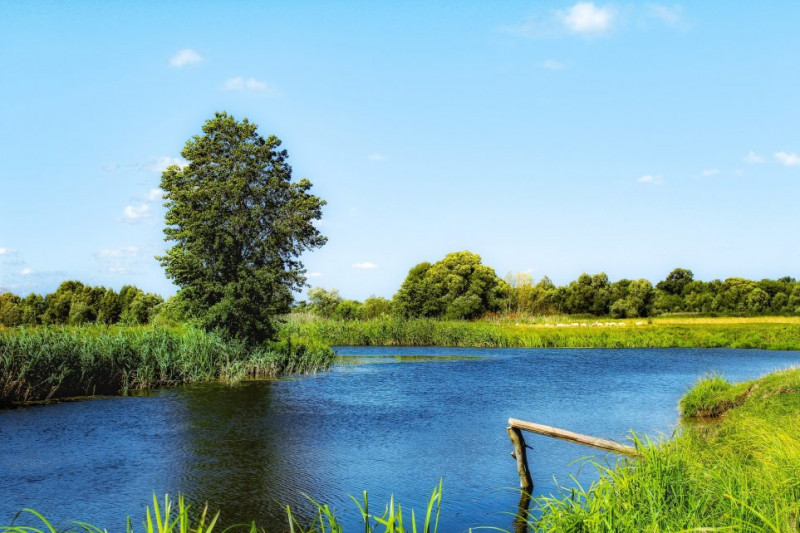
(251, 85)
(155, 194)
(653, 180)
(753, 158)
(133, 214)
(314, 274)
(185, 57)
(787, 159)
(552, 64)
(116, 253)
(27, 271)
(670, 15)
(365, 266)
(6, 251)
(376, 157)
(709, 172)
(587, 19)
(118, 260)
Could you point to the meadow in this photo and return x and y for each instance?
(774, 333)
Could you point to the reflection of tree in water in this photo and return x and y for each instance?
(238, 454)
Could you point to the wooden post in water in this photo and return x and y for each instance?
(515, 434)
(519, 453)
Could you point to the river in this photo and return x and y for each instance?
(385, 420)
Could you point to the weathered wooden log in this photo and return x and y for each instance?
(525, 481)
(563, 434)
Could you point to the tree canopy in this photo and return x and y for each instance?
(458, 286)
(238, 224)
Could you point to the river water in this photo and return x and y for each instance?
(385, 420)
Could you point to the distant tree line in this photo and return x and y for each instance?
(74, 303)
(460, 287)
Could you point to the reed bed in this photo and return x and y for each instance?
(45, 363)
(489, 334)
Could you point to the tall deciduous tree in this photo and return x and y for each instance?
(238, 224)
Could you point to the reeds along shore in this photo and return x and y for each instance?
(762, 334)
(46, 363)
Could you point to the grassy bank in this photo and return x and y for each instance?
(46, 363)
(737, 471)
(775, 333)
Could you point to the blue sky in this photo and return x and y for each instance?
(548, 137)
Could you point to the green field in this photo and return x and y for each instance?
(773, 333)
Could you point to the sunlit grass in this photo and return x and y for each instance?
(45, 363)
(739, 473)
(576, 333)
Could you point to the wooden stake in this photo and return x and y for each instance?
(519, 453)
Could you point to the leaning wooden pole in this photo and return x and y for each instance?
(563, 434)
(519, 453)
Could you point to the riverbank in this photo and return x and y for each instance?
(39, 364)
(735, 471)
(772, 333)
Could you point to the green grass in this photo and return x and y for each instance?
(45, 363)
(740, 472)
(167, 518)
(703, 333)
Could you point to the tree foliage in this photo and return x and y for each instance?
(75, 304)
(457, 287)
(238, 225)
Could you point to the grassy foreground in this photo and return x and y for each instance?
(45, 363)
(774, 333)
(739, 471)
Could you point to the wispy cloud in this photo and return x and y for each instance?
(155, 194)
(118, 260)
(134, 214)
(707, 173)
(160, 164)
(787, 159)
(313, 274)
(250, 85)
(586, 18)
(670, 15)
(185, 58)
(117, 253)
(156, 165)
(552, 64)
(650, 179)
(6, 251)
(590, 19)
(365, 266)
(376, 157)
(752, 158)
(27, 271)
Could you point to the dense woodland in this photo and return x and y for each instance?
(74, 303)
(457, 287)
(460, 287)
